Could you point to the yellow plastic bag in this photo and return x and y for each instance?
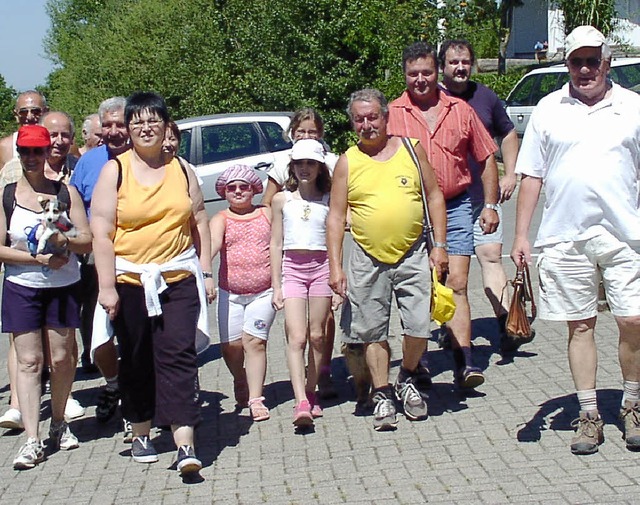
(442, 305)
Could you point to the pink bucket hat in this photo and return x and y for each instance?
(239, 173)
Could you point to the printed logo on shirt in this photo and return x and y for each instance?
(404, 181)
(260, 324)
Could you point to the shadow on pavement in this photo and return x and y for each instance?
(557, 413)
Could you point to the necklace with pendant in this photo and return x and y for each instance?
(306, 211)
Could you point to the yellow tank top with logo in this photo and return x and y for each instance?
(152, 222)
(385, 202)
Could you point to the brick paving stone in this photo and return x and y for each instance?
(506, 444)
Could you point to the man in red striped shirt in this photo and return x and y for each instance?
(450, 131)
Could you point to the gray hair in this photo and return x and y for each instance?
(33, 92)
(69, 118)
(112, 104)
(368, 95)
(605, 52)
(86, 124)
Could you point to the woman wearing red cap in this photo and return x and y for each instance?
(151, 245)
(40, 297)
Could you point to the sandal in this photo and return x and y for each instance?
(241, 392)
(258, 410)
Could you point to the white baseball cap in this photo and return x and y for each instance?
(583, 36)
(308, 149)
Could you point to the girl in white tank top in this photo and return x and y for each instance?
(300, 277)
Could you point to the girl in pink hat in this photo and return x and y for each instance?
(241, 234)
(300, 270)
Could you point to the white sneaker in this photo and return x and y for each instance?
(62, 438)
(12, 420)
(30, 455)
(73, 409)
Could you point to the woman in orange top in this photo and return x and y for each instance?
(152, 247)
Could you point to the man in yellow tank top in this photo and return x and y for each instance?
(379, 182)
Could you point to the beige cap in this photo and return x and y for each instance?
(583, 36)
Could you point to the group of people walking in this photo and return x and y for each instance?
(430, 151)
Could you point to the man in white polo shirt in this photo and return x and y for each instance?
(582, 145)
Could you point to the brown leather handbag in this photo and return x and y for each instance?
(518, 322)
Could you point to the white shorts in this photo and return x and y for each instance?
(570, 272)
(251, 314)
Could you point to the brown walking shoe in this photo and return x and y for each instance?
(630, 415)
(589, 433)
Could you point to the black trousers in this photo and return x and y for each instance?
(158, 374)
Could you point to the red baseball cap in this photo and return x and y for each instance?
(33, 135)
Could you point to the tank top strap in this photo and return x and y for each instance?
(288, 195)
(325, 198)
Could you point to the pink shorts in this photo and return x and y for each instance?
(305, 274)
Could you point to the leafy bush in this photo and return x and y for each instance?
(501, 84)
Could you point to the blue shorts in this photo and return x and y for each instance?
(460, 225)
(29, 309)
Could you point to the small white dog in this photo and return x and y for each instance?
(54, 220)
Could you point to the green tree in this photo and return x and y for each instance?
(7, 102)
(598, 13)
(228, 56)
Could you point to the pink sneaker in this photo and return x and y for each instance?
(316, 409)
(302, 414)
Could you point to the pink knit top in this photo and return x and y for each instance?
(244, 257)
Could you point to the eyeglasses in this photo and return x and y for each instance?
(232, 188)
(300, 134)
(35, 151)
(578, 63)
(151, 123)
(25, 111)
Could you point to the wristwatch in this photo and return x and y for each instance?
(441, 245)
(207, 275)
(492, 206)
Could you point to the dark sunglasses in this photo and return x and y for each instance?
(232, 188)
(581, 62)
(24, 111)
(25, 151)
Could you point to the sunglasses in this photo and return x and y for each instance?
(25, 111)
(581, 62)
(26, 151)
(232, 188)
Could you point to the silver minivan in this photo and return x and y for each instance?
(213, 143)
(542, 81)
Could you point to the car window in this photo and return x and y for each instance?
(521, 94)
(627, 76)
(275, 137)
(546, 84)
(229, 141)
(185, 144)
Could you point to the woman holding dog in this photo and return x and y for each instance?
(152, 247)
(40, 297)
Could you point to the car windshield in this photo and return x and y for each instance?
(628, 76)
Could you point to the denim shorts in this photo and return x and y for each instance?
(460, 225)
(479, 237)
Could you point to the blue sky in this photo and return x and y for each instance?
(23, 25)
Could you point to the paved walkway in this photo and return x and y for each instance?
(508, 443)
